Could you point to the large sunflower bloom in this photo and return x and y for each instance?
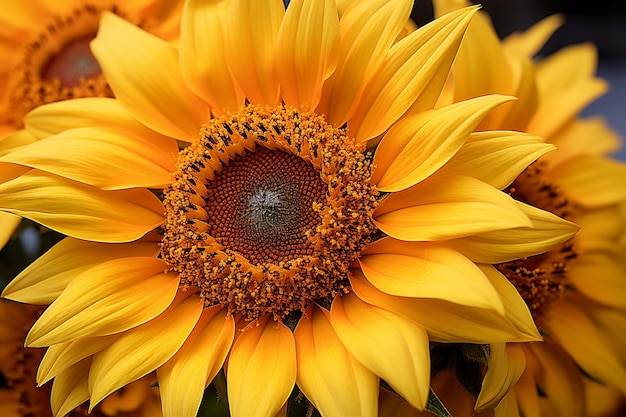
(46, 58)
(270, 245)
(576, 292)
(18, 367)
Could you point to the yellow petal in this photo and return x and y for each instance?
(103, 157)
(54, 118)
(415, 70)
(8, 225)
(591, 181)
(506, 364)
(368, 29)
(419, 145)
(547, 231)
(480, 66)
(62, 356)
(15, 140)
(445, 321)
(561, 381)
(515, 308)
(391, 346)
(69, 389)
(307, 48)
(109, 298)
(566, 86)
(330, 377)
(496, 157)
(203, 56)
(184, 377)
(529, 42)
(143, 72)
(447, 207)
(591, 136)
(264, 355)
(573, 329)
(44, 279)
(81, 211)
(599, 275)
(251, 29)
(140, 351)
(427, 270)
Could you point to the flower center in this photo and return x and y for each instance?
(541, 279)
(72, 64)
(261, 205)
(267, 210)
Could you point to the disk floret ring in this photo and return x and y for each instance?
(267, 210)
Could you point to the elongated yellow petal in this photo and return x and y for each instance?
(447, 207)
(307, 50)
(143, 72)
(203, 56)
(427, 270)
(8, 225)
(391, 346)
(264, 355)
(414, 71)
(506, 364)
(69, 389)
(599, 274)
(496, 157)
(445, 321)
(417, 146)
(330, 377)
(561, 381)
(54, 118)
(573, 329)
(529, 42)
(44, 279)
(81, 211)
(368, 29)
(184, 377)
(15, 140)
(140, 351)
(103, 157)
(109, 298)
(592, 181)
(62, 356)
(515, 308)
(250, 34)
(547, 231)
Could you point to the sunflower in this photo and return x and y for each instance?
(18, 366)
(268, 198)
(46, 58)
(576, 291)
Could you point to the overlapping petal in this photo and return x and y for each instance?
(426, 270)
(398, 86)
(184, 377)
(447, 207)
(44, 279)
(329, 376)
(311, 26)
(146, 79)
(393, 347)
(506, 364)
(109, 298)
(417, 146)
(70, 388)
(263, 355)
(143, 349)
(82, 211)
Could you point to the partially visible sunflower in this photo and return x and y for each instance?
(20, 397)
(304, 234)
(577, 291)
(46, 58)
